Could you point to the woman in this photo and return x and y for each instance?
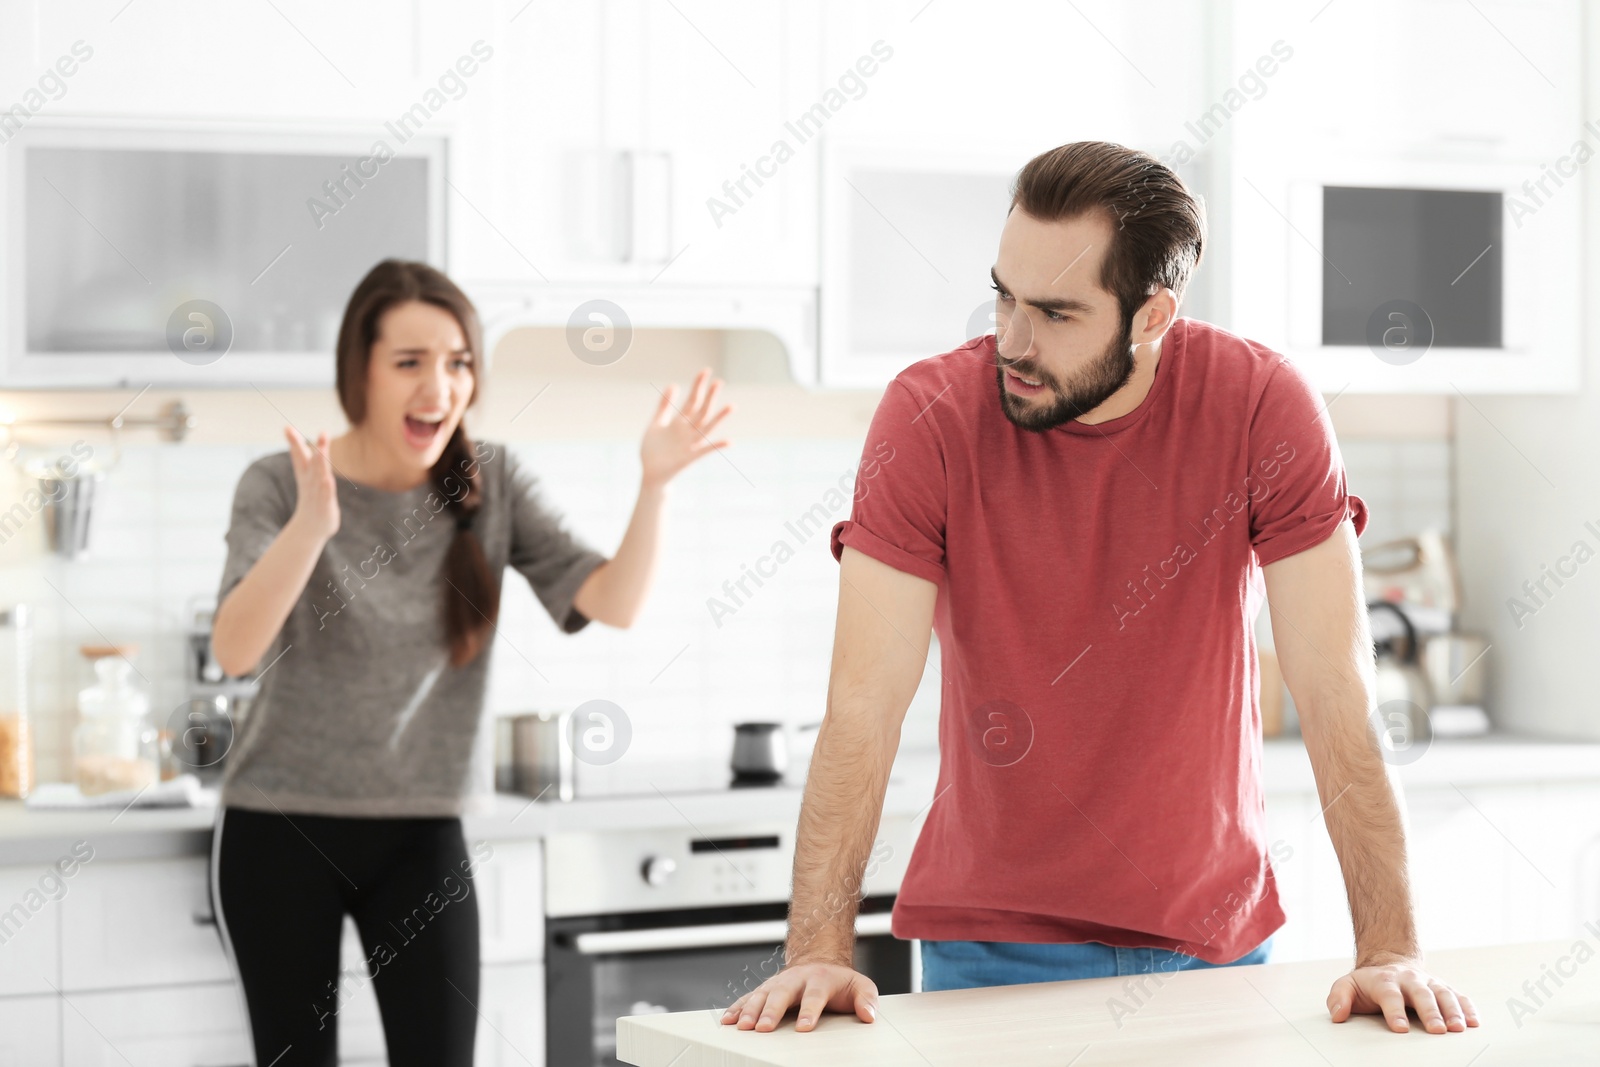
(363, 579)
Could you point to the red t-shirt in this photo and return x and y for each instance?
(1099, 734)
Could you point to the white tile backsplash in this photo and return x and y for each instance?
(1406, 486)
(157, 547)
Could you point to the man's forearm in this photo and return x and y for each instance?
(838, 818)
(1363, 819)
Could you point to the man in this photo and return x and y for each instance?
(1089, 508)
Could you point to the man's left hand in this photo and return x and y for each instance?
(1389, 988)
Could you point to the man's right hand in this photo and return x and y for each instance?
(815, 987)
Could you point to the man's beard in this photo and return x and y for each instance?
(1088, 389)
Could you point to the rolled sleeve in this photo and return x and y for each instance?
(899, 510)
(1294, 455)
(262, 505)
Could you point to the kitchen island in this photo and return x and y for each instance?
(1268, 1014)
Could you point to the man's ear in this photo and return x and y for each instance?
(1154, 317)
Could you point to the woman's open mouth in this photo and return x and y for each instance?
(421, 431)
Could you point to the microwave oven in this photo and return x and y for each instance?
(1402, 276)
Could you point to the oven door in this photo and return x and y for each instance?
(600, 967)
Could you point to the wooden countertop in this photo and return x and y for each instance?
(1269, 1014)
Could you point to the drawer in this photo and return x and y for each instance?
(30, 915)
(30, 1030)
(179, 1026)
(138, 924)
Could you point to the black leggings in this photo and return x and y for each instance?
(282, 885)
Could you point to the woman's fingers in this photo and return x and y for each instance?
(708, 402)
(694, 406)
(711, 423)
(298, 453)
(324, 445)
(663, 414)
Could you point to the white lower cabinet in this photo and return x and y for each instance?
(510, 1019)
(1489, 864)
(176, 1026)
(509, 882)
(130, 924)
(31, 901)
(511, 1016)
(125, 967)
(30, 1031)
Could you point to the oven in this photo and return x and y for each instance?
(641, 921)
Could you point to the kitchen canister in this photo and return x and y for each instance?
(16, 733)
(114, 746)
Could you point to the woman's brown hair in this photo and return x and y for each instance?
(1158, 226)
(471, 596)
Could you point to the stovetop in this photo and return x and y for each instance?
(627, 778)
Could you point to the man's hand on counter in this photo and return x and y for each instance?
(815, 987)
(1388, 988)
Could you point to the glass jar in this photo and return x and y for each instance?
(114, 746)
(16, 733)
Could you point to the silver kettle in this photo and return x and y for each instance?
(1404, 696)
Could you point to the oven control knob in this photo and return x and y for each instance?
(657, 869)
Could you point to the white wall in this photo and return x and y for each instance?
(1526, 482)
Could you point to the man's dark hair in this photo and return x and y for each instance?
(1158, 227)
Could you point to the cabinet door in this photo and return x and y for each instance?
(1458, 865)
(511, 1017)
(1310, 882)
(719, 86)
(532, 147)
(140, 923)
(192, 59)
(30, 1031)
(31, 897)
(510, 885)
(178, 1026)
(1357, 78)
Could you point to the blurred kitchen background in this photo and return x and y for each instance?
(807, 197)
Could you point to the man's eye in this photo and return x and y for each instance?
(1054, 316)
(1003, 295)
(405, 363)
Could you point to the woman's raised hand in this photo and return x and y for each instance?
(676, 437)
(317, 503)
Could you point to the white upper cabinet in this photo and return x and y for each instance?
(288, 59)
(1493, 79)
(919, 161)
(625, 142)
(1405, 212)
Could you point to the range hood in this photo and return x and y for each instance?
(789, 314)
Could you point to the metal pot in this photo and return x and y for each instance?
(541, 759)
(759, 752)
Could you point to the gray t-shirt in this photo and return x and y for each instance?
(360, 712)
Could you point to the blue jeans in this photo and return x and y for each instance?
(969, 964)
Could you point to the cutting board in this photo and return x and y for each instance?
(1272, 1014)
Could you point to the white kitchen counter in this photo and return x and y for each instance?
(1267, 1014)
(42, 836)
